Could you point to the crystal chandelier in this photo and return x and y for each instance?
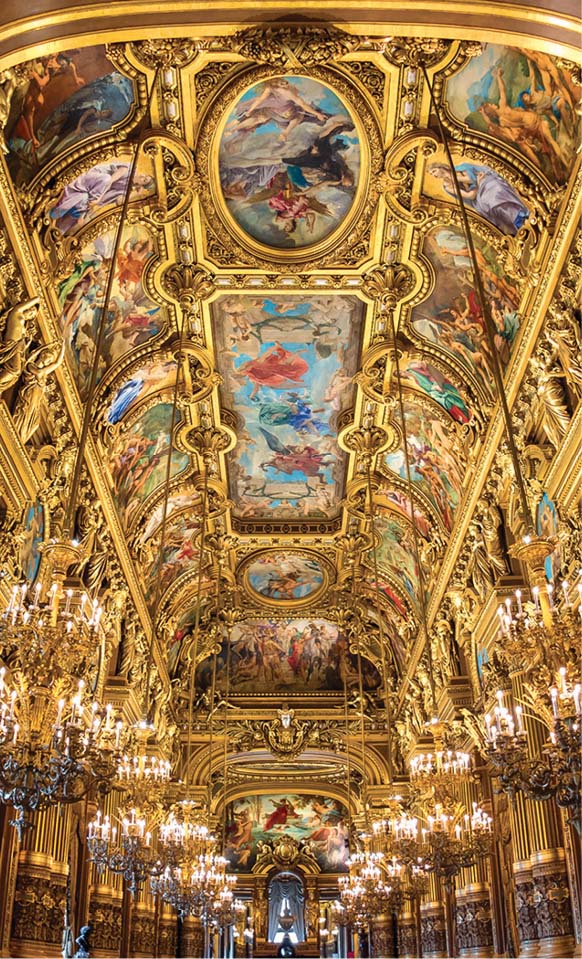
(54, 745)
(557, 771)
(364, 894)
(128, 847)
(440, 774)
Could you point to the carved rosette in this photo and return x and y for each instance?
(433, 930)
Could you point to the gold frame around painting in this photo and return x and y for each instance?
(286, 604)
(208, 146)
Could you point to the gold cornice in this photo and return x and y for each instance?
(557, 33)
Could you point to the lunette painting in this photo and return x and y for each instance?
(64, 98)
(287, 364)
(451, 316)
(319, 820)
(289, 162)
(99, 190)
(132, 318)
(286, 656)
(521, 97)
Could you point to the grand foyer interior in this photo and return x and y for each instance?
(290, 472)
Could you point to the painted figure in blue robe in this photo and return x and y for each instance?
(486, 192)
(294, 412)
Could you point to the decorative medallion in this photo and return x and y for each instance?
(284, 577)
(289, 159)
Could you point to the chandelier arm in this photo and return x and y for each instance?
(410, 487)
(86, 420)
(387, 708)
(485, 308)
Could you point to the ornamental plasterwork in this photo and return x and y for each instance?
(189, 254)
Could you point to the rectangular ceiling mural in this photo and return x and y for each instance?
(287, 364)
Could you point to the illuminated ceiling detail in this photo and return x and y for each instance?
(287, 365)
(291, 199)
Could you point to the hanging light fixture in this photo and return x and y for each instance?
(54, 746)
(544, 637)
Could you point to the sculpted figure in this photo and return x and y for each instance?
(39, 366)
(17, 332)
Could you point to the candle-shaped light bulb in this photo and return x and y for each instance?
(554, 698)
(518, 597)
(563, 687)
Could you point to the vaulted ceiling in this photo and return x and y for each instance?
(291, 206)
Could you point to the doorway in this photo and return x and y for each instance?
(286, 907)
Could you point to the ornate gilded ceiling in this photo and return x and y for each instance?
(291, 203)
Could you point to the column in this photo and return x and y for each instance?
(474, 926)
(40, 896)
(553, 909)
(8, 871)
(407, 938)
(192, 938)
(433, 935)
(382, 935)
(105, 916)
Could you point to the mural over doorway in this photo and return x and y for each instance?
(316, 819)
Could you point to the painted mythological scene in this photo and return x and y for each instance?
(287, 364)
(31, 538)
(397, 553)
(434, 462)
(285, 576)
(318, 820)
(291, 656)
(523, 99)
(452, 318)
(289, 162)
(428, 379)
(139, 459)
(483, 190)
(61, 99)
(149, 379)
(180, 554)
(99, 190)
(132, 317)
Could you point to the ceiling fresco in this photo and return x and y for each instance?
(295, 656)
(289, 162)
(291, 231)
(287, 365)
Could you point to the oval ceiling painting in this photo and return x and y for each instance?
(285, 576)
(289, 162)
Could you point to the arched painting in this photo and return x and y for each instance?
(139, 460)
(132, 317)
(319, 820)
(483, 190)
(33, 536)
(286, 656)
(451, 316)
(285, 576)
(520, 97)
(63, 99)
(289, 160)
(98, 190)
(434, 463)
